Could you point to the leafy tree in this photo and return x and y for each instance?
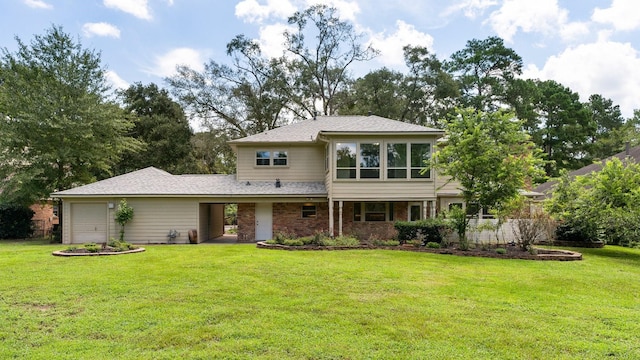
(162, 126)
(423, 96)
(484, 70)
(248, 97)
(212, 152)
(58, 127)
(561, 128)
(601, 205)
(607, 139)
(490, 156)
(320, 68)
(430, 92)
(378, 92)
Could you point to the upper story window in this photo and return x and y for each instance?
(370, 160)
(271, 158)
(407, 160)
(346, 160)
(364, 160)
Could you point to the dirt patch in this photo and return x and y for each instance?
(510, 252)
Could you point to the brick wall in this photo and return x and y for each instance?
(43, 219)
(287, 217)
(246, 222)
(365, 230)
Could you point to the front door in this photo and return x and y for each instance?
(264, 221)
(415, 212)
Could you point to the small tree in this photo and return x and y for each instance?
(123, 215)
(490, 156)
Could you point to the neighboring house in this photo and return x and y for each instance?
(630, 153)
(45, 218)
(341, 175)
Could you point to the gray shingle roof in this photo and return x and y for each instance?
(308, 130)
(155, 182)
(633, 154)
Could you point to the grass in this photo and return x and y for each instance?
(240, 302)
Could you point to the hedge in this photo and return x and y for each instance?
(15, 221)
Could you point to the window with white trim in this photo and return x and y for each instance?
(369, 160)
(346, 160)
(372, 211)
(408, 160)
(271, 158)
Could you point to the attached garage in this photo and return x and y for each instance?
(88, 223)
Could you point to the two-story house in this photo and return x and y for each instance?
(342, 175)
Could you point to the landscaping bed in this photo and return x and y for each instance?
(509, 252)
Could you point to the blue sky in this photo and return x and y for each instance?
(590, 46)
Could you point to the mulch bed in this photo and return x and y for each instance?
(512, 252)
(85, 252)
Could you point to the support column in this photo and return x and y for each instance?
(340, 203)
(331, 216)
(424, 209)
(433, 209)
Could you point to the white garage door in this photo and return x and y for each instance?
(88, 223)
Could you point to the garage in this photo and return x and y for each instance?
(88, 223)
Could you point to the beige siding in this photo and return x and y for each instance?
(153, 218)
(444, 186)
(305, 163)
(383, 190)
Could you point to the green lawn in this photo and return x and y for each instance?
(240, 302)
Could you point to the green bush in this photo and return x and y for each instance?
(119, 245)
(386, 242)
(15, 221)
(428, 230)
(347, 241)
(433, 245)
(292, 242)
(92, 247)
(501, 251)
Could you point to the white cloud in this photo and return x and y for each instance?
(252, 12)
(347, 10)
(115, 80)
(608, 68)
(100, 29)
(271, 39)
(470, 8)
(137, 8)
(390, 46)
(165, 65)
(38, 4)
(623, 15)
(542, 16)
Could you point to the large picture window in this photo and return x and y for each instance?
(372, 211)
(408, 160)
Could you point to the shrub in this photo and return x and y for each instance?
(119, 245)
(347, 241)
(578, 230)
(293, 242)
(501, 251)
(92, 247)
(15, 221)
(433, 245)
(428, 230)
(379, 242)
(123, 215)
(531, 226)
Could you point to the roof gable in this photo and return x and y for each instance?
(309, 130)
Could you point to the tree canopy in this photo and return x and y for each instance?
(59, 129)
(161, 125)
